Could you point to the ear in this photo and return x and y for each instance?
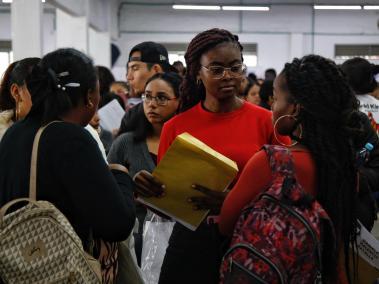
(15, 92)
(157, 68)
(296, 110)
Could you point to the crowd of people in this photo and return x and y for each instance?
(322, 113)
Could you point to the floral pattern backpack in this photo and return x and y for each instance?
(278, 237)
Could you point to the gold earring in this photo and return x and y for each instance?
(90, 104)
(17, 111)
(276, 137)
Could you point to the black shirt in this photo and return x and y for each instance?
(71, 174)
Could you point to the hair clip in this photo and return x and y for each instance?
(63, 74)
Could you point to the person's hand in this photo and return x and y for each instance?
(212, 200)
(147, 185)
(118, 167)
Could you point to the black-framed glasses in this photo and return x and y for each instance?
(217, 71)
(160, 100)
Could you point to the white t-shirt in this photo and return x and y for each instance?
(95, 136)
(370, 106)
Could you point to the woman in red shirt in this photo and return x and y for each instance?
(212, 112)
(314, 105)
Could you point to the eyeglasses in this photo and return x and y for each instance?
(160, 100)
(217, 72)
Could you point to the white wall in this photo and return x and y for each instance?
(284, 32)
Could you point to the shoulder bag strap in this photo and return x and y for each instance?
(33, 163)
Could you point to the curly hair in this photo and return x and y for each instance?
(331, 131)
(192, 93)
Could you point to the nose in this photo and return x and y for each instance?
(129, 76)
(227, 74)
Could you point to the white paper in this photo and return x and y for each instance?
(368, 247)
(111, 115)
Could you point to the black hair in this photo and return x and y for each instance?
(271, 72)
(265, 93)
(122, 83)
(360, 75)
(167, 68)
(250, 83)
(139, 124)
(106, 78)
(51, 95)
(331, 129)
(16, 73)
(191, 92)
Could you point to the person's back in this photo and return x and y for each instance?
(71, 172)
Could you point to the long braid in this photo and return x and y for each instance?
(330, 129)
(191, 91)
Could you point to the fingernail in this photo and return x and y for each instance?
(189, 200)
(163, 194)
(195, 207)
(193, 186)
(163, 186)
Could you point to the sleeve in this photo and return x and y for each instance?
(118, 152)
(102, 200)
(167, 137)
(255, 177)
(370, 170)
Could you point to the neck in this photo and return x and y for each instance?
(157, 130)
(221, 106)
(72, 117)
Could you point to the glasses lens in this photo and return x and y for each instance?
(216, 70)
(161, 100)
(237, 69)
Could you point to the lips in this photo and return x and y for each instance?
(227, 88)
(152, 114)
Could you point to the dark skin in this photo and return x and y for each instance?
(221, 97)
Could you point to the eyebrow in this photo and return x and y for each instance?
(133, 64)
(230, 63)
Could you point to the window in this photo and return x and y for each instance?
(6, 56)
(347, 51)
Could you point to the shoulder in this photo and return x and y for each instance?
(124, 139)
(257, 111)
(64, 134)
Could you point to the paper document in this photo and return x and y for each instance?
(189, 161)
(111, 115)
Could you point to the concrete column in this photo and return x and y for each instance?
(296, 45)
(71, 31)
(100, 47)
(26, 25)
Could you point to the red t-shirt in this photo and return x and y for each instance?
(237, 135)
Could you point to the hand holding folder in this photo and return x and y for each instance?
(189, 161)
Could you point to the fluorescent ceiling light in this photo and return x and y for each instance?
(246, 8)
(10, 1)
(337, 7)
(195, 7)
(371, 7)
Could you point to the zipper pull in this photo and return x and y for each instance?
(230, 265)
(318, 279)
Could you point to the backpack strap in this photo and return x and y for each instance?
(281, 160)
(33, 163)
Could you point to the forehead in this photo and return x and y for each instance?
(225, 54)
(158, 85)
(135, 59)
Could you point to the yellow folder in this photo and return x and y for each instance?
(189, 161)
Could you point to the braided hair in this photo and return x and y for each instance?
(330, 123)
(191, 92)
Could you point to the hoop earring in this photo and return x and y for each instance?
(276, 137)
(90, 104)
